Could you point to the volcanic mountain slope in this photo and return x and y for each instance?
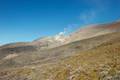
(93, 58)
(54, 54)
(101, 62)
(61, 39)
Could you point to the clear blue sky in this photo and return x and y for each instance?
(26, 20)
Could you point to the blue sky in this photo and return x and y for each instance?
(26, 20)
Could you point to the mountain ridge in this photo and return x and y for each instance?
(82, 33)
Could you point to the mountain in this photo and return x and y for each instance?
(91, 53)
(82, 33)
(61, 39)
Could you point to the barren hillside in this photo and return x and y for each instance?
(93, 58)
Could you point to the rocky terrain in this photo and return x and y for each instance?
(91, 53)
